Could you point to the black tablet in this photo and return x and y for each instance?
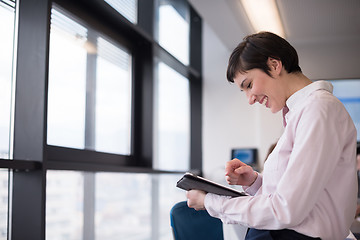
(191, 181)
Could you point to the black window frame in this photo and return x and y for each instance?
(144, 48)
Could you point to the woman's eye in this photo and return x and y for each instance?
(249, 85)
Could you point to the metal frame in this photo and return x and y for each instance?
(27, 208)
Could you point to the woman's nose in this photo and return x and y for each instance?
(251, 98)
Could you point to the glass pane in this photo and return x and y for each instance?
(113, 99)
(64, 205)
(89, 89)
(169, 195)
(125, 201)
(7, 19)
(67, 82)
(4, 202)
(348, 92)
(173, 28)
(172, 123)
(127, 8)
(123, 206)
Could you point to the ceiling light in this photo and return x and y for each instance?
(264, 16)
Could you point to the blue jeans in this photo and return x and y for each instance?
(285, 234)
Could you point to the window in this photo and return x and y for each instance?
(89, 89)
(87, 126)
(168, 196)
(173, 28)
(7, 20)
(348, 92)
(123, 204)
(4, 188)
(67, 82)
(127, 8)
(113, 99)
(7, 30)
(172, 130)
(64, 205)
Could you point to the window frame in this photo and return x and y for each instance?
(341, 98)
(31, 157)
(143, 47)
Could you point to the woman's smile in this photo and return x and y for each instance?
(264, 101)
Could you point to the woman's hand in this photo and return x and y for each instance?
(239, 173)
(196, 199)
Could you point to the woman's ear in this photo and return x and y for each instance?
(275, 65)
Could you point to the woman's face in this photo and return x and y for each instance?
(260, 87)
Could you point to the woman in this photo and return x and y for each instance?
(308, 186)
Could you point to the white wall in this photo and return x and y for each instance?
(340, 62)
(228, 120)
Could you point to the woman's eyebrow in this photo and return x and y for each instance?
(242, 83)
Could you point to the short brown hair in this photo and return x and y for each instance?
(254, 51)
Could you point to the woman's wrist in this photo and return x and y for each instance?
(256, 176)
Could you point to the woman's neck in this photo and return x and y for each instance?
(295, 82)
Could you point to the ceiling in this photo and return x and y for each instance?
(305, 21)
(329, 27)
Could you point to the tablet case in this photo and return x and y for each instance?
(191, 181)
